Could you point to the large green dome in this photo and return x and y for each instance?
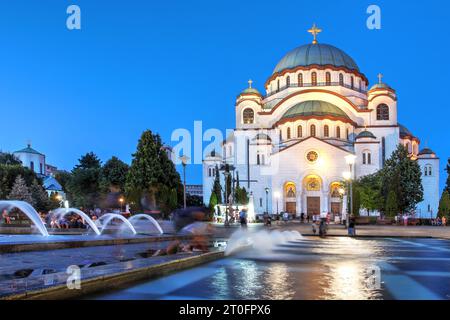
(316, 54)
(314, 108)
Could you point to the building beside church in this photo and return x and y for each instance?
(293, 143)
(36, 161)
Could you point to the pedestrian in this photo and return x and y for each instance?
(243, 218)
(352, 227)
(314, 230)
(5, 216)
(285, 217)
(405, 219)
(444, 221)
(302, 217)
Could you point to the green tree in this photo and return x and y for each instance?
(9, 174)
(114, 175)
(217, 187)
(152, 175)
(41, 201)
(444, 205)
(20, 191)
(84, 185)
(213, 201)
(447, 184)
(9, 159)
(369, 188)
(63, 178)
(403, 176)
(391, 204)
(356, 200)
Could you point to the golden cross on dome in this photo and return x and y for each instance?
(380, 78)
(250, 81)
(314, 31)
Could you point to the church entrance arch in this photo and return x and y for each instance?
(290, 196)
(313, 185)
(336, 194)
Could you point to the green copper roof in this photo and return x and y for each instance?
(28, 149)
(426, 151)
(315, 108)
(380, 86)
(316, 54)
(365, 134)
(251, 90)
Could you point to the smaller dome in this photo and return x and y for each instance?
(404, 132)
(262, 136)
(251, 91)
(365, 134)
(380, 86)
(315, 108)
(426, 151)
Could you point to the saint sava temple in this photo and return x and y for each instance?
(318, 122)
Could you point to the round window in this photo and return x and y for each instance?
(312, 156)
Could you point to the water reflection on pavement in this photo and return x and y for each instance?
(313, 268)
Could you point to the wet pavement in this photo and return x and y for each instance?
(313, 268)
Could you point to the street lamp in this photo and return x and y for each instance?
(267, 200)
(121, 200)
(348, 176)
(59, 198)
(184, 160)
(277, 196)
(226, 174)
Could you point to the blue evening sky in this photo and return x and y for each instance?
(164, 64)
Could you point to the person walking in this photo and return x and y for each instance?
(5, 216)
(352, 226)
(444, 221)
(243, 218)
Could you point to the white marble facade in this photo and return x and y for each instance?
(290, 144)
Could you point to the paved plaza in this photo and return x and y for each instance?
(313, 268)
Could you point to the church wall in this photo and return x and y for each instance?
(429, 207)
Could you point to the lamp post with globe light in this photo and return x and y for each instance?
(348, 176)
(277, 197)
(184, 160)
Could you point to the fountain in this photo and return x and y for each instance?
(61, 212)
(151, 219)
(110, 216)
(263, 242)
(28, 210)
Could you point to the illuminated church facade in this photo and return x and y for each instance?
(292, 145)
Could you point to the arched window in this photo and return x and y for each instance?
(313, 130)
(408, 147)
(326, 131)
(299, 132)
(288, 81)
(328, 78)
(209, 172)
(300, 80)
(314, 78)
(338, 132)
(352, 82)
(288, 133)
(382, 112)
(347, 133)
(367, 157)
(248, 116)
(341, 79)
(428, 170)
